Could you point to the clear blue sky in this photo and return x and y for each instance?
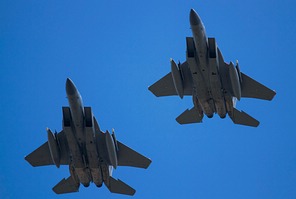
(113, 50)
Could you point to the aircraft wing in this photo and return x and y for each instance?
(41, 156)
(165, 86)
(128, 157)
(253, 89)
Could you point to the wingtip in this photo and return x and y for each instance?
(148, 163)
(274, 94)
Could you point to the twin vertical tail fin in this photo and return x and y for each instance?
(240, 117)
(117, 186)
(68, 185)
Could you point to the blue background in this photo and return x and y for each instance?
(113, 50)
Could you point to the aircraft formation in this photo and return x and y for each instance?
(91, 154)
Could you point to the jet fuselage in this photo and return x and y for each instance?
(207, 94)
(76, 136)
(76, 110)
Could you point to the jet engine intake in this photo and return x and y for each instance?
(190, 47)
(89, 119)
(66, 117)
(212, 47)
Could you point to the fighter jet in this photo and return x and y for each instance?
(214, 84)
(90, 153)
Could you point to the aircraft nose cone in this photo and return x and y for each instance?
(194, 18)
(70, 87)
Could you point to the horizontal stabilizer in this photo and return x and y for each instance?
(253, 89)
(66, 186)
(40, 157)
(189, 116)
(240, 117)
(117, 186)
(128, 157)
